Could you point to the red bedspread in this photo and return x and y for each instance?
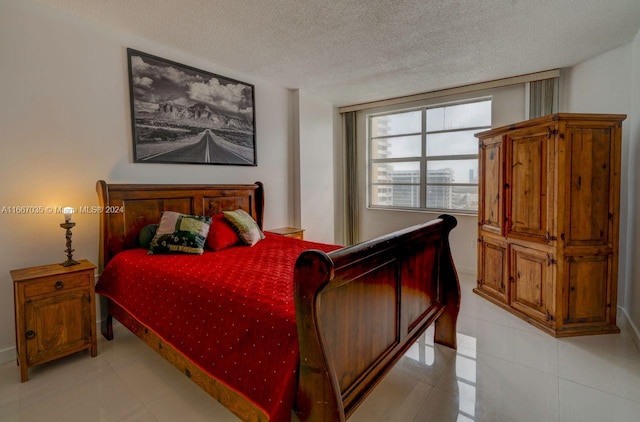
(230, 312)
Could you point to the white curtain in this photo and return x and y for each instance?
(543, 97)
(351, 190)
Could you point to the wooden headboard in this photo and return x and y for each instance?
(126, 209)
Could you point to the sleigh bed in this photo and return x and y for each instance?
(345, 315)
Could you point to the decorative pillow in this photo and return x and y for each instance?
(146, 235)
(180, 233)
(221, 234)
(245, 225)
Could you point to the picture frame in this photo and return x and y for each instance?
(180, 114)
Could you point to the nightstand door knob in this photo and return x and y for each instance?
(59, 285)
(30, 334)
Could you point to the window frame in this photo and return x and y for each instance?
(423, 159)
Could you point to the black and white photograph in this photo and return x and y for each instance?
(185, 115)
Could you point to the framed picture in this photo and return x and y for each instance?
(180, 114)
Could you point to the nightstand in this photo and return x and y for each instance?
(55, 313)
(294, 232)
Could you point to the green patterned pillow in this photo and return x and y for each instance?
(180, 233)
(146, 235)
(245, 225)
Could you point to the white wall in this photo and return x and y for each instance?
(601, 85)
(315, 135)
(64, 124)
(507, 107)
(632, 286)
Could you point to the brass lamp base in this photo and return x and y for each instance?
(70, 261)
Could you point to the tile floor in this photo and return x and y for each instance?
(503, 370)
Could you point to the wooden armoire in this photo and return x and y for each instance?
(548, 219)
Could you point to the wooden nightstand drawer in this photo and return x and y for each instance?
(58, 283)
(55, 313)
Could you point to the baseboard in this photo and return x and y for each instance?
(467, 271)
(7, 355)
(634, 332)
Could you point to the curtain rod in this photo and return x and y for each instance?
(498, 83)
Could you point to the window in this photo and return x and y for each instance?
(427, 158)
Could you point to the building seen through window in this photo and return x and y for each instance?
(426, 158)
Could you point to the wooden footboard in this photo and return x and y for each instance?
(360, 308)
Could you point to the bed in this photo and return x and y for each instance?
(349, 313)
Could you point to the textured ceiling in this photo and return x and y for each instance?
(353, 51)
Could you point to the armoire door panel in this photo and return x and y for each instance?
(532, 282)
(586, 289)
(590, 176)
(493, 276)
(492, 184)
(527, 181)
